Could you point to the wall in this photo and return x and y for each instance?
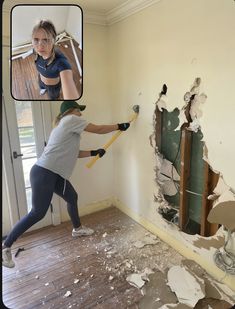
(21, 32)
(94, 184)
(74, 24)
(171, 42)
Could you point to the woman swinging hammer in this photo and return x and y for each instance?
(51, 172)
(54, 70)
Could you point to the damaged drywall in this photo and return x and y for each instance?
(168, 180)
(223, 211)
(167, 176)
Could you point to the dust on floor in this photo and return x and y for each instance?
(120, 266)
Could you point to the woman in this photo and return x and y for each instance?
(53, 67)
(51, 172)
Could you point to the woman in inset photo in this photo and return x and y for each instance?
(54, 70)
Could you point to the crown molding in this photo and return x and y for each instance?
(105, 19)
(126, 9)
(117, 14)
(92, 17)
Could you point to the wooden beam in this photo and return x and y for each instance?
(210, 182)
(184, 176)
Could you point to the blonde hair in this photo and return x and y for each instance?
(60, 116)
(49, 28)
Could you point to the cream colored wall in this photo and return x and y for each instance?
(94, 184)
(172, 42)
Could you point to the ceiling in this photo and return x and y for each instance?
(101, 6)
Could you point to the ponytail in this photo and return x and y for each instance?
(60, 116)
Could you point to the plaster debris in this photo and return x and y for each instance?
(182, 119)
(37, 277)
(162, 103)
(136, 280)
(46, 284)
(76, 280)
(149, 239)
(196, 100)
(166, 176)
(187, 288)
(67, 294)
(175, 306)
(223, 211)
(111, 278)
(105, 234)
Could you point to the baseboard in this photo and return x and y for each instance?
(96, 206)
(188, 253)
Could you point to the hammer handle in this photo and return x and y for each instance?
(113, 138)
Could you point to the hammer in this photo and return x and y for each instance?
(136, 110)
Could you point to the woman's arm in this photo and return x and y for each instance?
(68, 86)
(101, 129)
(84, 153)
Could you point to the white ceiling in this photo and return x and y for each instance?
(101, 6)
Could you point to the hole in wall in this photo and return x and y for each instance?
(182, 174)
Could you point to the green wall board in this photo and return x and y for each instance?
(170, 144)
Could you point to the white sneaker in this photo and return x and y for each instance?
(7, 258)
(42, 91)
(82, 231)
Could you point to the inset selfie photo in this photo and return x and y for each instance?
(46, 52)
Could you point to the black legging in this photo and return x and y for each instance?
(44, 183)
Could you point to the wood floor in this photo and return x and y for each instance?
(24, 76)
(52, 260)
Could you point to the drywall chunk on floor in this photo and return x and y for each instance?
(148, 239)
(139, 280)
(136, 280)
(175, 306)
(187, 288)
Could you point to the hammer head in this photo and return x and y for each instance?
(136, 108)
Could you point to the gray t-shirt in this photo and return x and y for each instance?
(61, 152)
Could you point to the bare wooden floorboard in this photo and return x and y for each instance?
(52, 260)
(52, 255)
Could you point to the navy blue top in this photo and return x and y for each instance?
(60, 63)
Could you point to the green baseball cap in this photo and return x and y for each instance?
(65, 105)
